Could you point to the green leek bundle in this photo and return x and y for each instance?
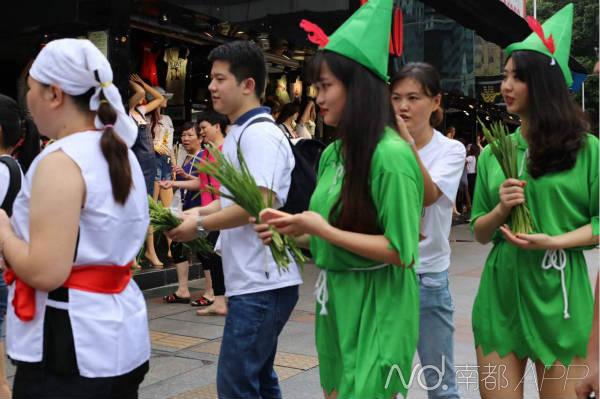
(244, 192)
(163, 220)
(505, 151)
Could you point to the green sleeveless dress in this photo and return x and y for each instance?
(367, 322)
(522, 307)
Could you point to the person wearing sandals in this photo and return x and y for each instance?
(77, 325)
(139, 107)
(212, 127)
(187, 172)
(535, 301)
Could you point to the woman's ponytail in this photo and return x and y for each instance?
(115, 152)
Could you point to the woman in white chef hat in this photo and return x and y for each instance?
(76, 321)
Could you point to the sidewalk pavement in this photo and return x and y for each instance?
(185, 347)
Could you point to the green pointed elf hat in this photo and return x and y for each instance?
(553, 39)
(364, 37)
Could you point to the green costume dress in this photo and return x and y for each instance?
(367, 324)
(520, 306)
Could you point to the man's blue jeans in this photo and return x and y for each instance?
(436, 329)
(252, 327)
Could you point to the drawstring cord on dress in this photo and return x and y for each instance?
(553, 258)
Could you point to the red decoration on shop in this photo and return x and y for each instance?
(396, 36)
(148, 69)
(398, 31)
(535, 26)
(315, 33)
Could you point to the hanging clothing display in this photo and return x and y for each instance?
(312, 91)
(148, 69)
(176, 73)
(297, 89)
(281, 91)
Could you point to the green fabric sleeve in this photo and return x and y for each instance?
(481, 203)
(593, 184)
(399, 201)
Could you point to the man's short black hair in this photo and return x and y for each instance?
(246, 60)
(214, 118)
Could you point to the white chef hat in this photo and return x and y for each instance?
(76, 66)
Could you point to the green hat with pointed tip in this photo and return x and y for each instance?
(365, 37)
(552, 38)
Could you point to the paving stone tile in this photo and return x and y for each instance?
(292, 360)
(212, 347)
(186, 328)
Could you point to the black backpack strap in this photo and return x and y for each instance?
(15, 183)
(252, 122)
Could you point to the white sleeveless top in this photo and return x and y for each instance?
(110, 331)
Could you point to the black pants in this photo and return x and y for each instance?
(33, 381)
(57, 375)
(471, 178)
(213, 263)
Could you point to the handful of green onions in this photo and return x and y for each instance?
(163, 220)
(244, 192)
(505, 151)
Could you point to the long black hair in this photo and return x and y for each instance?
(557, 126)
(18, 133)
(366, 114)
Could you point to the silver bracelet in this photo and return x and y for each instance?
(200, 230)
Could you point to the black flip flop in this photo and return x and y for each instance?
(174, 298)
(202, 302)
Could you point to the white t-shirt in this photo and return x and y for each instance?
(270, 161)
(471, 164)
(163, 132)
(444, 159)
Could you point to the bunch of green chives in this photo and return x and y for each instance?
(163, 220)
(505, 151)
(244, 192)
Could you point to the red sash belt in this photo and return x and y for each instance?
(100, 279)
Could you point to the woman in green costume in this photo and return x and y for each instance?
(535, 300)
(363, 223)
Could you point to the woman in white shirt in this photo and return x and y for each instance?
(76, 322)
(416, 98)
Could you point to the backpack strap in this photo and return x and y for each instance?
(252, 122)
(14, 185)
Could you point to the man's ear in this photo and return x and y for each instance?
(248, 86)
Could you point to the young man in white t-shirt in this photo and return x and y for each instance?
(260, 298)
